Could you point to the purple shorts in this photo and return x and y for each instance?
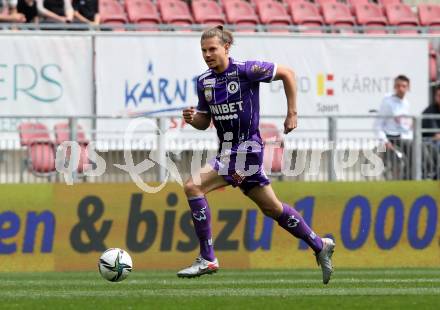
(239, 178)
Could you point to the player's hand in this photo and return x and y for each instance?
(290, 123)
(188, 114)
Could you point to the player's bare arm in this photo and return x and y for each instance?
(288, 77)
(196, 119)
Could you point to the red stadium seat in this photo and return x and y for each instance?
(62, 134)
(288, 3)
(273, 13)
(321, 2)
(429, 16)
(388, 2)
(111, 12)
(256, 2)
(338, 15)
(142, 12)
(353, 3)
(273, 155)
(207, 12)
(241, 14)
(306, 14)
(384, 3)
(33, 132)
(40, 148)
(175, 12)
(370, 15)
(401, 15)
(356, 2)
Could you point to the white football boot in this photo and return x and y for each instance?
(200, 267)
(324, 259)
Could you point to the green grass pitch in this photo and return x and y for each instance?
(228, 289)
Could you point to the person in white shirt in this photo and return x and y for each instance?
(394, 125)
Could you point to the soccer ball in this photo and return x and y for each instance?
(115, 265)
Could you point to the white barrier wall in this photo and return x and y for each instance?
(46, 75)
(341, 76)
(336, 76)
(54, 74)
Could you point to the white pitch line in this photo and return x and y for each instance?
(285, 281)
(293, 272)
(220, 281)
(260, 292)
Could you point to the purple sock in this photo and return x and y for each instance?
(293, 222)
(201, 217)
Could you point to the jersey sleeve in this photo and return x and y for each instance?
(202, 106)
(260, 71)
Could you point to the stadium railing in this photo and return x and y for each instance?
(332, 150)
(330, 29)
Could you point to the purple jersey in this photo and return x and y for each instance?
(232, 98)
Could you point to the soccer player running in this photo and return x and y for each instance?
(228, 95)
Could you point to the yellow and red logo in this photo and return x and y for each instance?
(322, 80)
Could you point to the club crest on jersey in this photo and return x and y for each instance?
(208, 93)
(259, 70)
(232, 87)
